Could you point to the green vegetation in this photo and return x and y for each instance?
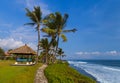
(1, 53)
(36, 18)
(55, 24)
(62, 73)
(61, 53)
(17, 74)
(54, 27)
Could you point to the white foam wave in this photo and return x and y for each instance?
(112, 69)
(104, 74)
(75, 62)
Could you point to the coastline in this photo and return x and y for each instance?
(81, 71)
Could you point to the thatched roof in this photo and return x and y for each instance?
(26, 50)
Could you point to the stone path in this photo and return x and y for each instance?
(40, 77)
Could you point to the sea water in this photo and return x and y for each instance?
(105, 71)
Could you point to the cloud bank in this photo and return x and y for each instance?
(10, 43)
(113, 52)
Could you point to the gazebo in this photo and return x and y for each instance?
(23, 54)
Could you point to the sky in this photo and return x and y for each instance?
(97, 23)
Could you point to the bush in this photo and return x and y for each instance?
(2, 54)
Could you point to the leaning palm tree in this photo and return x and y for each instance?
(61, 24)
(36, 17)
(56, 24)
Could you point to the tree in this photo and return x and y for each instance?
(60, 53)
(56, 24)
(45, 47)
(2, 53)
(36, 17)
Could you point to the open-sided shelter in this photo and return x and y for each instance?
(24, 54)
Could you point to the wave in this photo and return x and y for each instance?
(104, 74)
(77, 62)
(112, 69)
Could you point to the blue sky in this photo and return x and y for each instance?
(97, 22)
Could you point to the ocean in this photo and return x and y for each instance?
(104, 71)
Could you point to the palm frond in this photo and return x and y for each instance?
(50, 21)
(30, 14)
(49, 16)
(30, 24)
(54, 42)
(64, 20)
(48, 30)
(64, 37)
(44, 43)
(58, 19)
(60, 51)
(38, 13)
(46, 36)
(72, 30)
(44, 21)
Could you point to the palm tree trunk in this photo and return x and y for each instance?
(57, 45)
(46, 57)
(38, 47)
(60, 57)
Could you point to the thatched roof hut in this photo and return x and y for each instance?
(25, 50)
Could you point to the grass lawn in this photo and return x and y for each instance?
(62, 73)
(17, 74)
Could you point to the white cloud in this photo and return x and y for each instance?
(96, 53)
(19, 36)
(11, 43)
(26, 34)
(99, 53)
(88, 53)
(79, 53)
(112, 52)
(33, 46)
(31, 3)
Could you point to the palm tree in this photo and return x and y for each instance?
(50, 27)
(45, 47)
(56, 24)
(36, 17)
(60, 53)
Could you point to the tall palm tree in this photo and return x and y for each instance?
(35, 17)
(56, 24)
(61, 24)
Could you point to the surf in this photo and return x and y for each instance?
(103, 73)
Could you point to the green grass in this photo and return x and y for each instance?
(62, 73)
(17, 74)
